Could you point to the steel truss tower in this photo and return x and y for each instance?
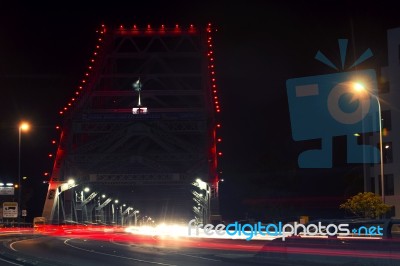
(146, 159)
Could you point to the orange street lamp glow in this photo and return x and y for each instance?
(359, 87)
(24, 126)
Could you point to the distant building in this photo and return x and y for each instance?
(389, 96)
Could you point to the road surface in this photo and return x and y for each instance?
(118, 248)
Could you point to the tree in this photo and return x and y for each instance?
(366, 204)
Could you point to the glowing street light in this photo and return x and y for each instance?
(358, 87)
(23, 127)
(201, 184)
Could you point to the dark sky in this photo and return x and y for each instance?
(45, 46)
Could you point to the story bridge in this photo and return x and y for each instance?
(140, 129)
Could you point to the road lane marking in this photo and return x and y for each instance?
(11, 245)
(168, 252)
(13, 263)
(203, 258)
(112, 255)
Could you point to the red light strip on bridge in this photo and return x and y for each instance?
(214, 97)
(84, 82)
(211, 67)
(148, 29)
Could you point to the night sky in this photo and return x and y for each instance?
(45, 47)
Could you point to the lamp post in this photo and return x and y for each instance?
(360, 87)
(380, 147)
(114, 212)
(22, 127)
(135, 213)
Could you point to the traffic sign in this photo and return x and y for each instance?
(6, 190)
(10, 209)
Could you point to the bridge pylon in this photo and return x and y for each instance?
(144, 151)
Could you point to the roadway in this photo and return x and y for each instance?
(119, 248)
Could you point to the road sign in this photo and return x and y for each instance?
(6, 190)
(10, 209)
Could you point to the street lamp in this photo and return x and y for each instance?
(23, 126)
(360, 88)
(135, 213)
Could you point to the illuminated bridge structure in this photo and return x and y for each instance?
(125, 161)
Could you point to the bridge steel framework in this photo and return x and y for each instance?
(151, 159)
